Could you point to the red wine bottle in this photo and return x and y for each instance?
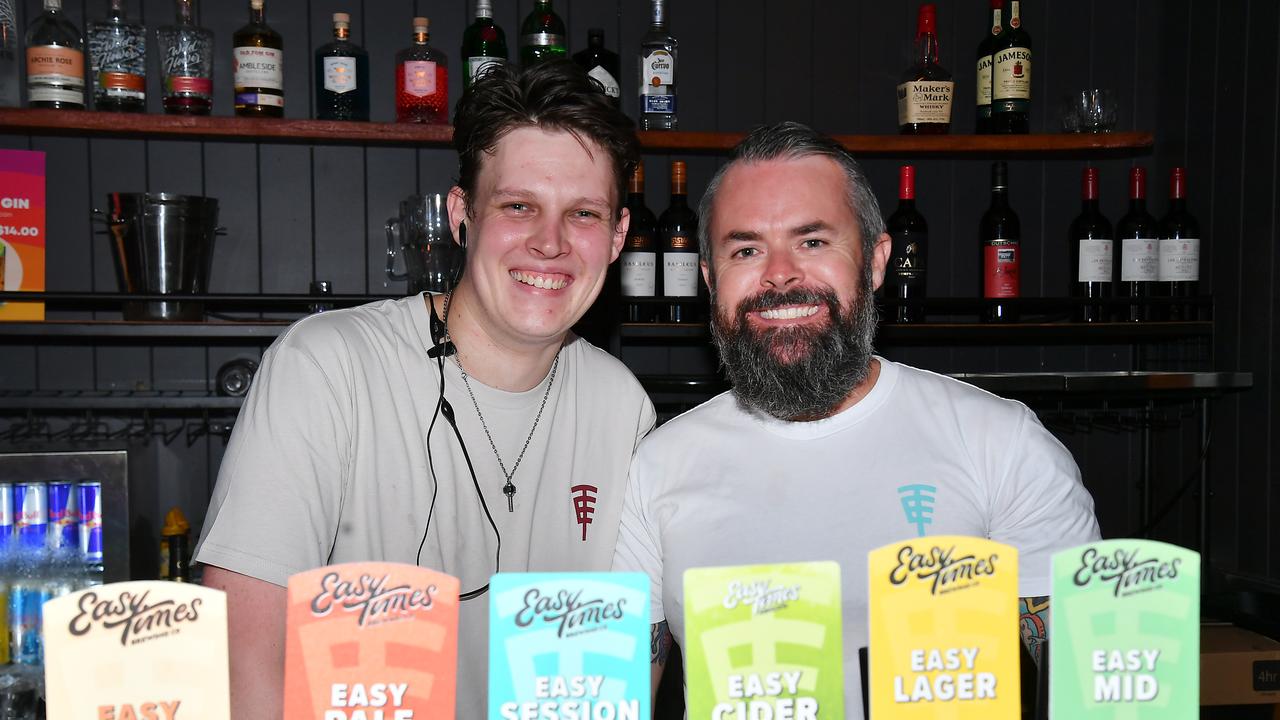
(1001, 236)
(678, 231)
(1179, 249)
(1138, 253)
(639, 260)
(924, 95)
(986, 51)
(906, 276)
(1092, 252)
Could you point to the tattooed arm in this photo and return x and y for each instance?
(1033, 615)
(660, 641)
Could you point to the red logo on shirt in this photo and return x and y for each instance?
(584, 505)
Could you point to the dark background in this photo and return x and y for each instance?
(1201, 75)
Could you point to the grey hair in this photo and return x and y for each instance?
(792, 141)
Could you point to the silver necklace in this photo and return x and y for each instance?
(510, 488)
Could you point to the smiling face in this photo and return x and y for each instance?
(793, 314)
(540, 234)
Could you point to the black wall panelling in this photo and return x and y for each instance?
(295, 213)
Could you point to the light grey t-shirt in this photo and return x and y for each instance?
(920, 454)
(328, 464)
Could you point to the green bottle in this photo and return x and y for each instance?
(483, 43)
(542, 36)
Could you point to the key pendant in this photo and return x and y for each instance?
(510, 491)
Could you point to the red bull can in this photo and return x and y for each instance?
(31, 514)
(90, 499)
(26, 602)
(64, 517)
(6, 516)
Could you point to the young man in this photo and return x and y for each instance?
(808, 457)
(345, 451)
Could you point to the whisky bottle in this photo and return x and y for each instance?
(986, 51)
(924, 95)
(601, 64)
(1011, 77)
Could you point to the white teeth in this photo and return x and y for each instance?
(790, 313)
(539, 281)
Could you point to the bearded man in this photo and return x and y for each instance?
(812, 453)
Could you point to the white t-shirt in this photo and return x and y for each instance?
(328, 464)
(920, 454)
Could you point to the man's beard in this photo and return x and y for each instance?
(797, 372)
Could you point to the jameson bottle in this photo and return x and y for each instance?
(483, 43)
(924, 95)
(1179, 249)
(422, 79)
(118, 62)
(986, 51)
(905, 280)
(55, 61)
(1139, 250)
(259, 66)
(601, 64)
(542, 36)
(659, 55)
(186, 61)
(639, 259)
(342, 76)
(1092, 255)
(1011, 77)
(678, 228)
(1001, 236)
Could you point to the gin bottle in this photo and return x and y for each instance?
(186, 61)
(55, 61)
(342, 76)
(118, 62)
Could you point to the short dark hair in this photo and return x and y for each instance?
(793, 141)
(555, 95)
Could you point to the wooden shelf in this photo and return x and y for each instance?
(1028, 333)
(157, 126)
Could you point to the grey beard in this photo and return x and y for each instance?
(823, 364)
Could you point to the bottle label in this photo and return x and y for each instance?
(542, 40)
(984, 81)
(117, 50)
(1139, 260)
(188, 85)
(122, 85)
(420, 77)
(1179, 260)
(1011, 75)
(660, 104)
(56, 65)
(607, 80)
(258, 67)
(639, 273)
(1000, 263)
(925, 101)
(262, 99)
(1096, 260)
(340, 74)
(679, 274)
(657, 72)
(907, 261)
(477, 65)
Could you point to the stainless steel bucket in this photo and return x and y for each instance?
(163, 244)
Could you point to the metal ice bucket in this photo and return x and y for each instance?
(163, 244)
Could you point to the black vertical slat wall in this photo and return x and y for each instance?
(1199, 74)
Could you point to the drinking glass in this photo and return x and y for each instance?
(421, 235)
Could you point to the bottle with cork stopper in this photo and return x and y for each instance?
(422, 79)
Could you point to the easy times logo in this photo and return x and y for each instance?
(569, 612)
(1124, 571)
(941, 568)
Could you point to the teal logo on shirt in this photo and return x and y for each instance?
(917, 504)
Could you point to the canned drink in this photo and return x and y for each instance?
(6, 515)
(26, 602)
(64, 516)
(90, 497)
(4, 624)
(31, 514)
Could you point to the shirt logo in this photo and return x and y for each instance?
(584, 505)
(917, 504)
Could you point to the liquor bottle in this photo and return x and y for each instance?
(986, 51)
(342, 76)
(1011, 77)
(259, 66)
(678, 229)
(659, 53)
(601, 64)
(541, 35)
(1139, 250)
(175, 539)
(924, 95)
(422, 79)
(55, 61)
(639, 259)
(1092, 251)
(1179, 248)
(905, 280)
(186, 61)
(483, 43)
(118, 62)
(10, 47)
(1001, 237)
